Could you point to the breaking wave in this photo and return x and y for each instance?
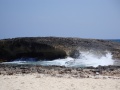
(84, 60)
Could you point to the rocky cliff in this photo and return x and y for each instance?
(49, 48)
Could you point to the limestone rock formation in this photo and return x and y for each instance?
(49, 48)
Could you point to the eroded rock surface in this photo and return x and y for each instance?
(45, 48)
(60, 71)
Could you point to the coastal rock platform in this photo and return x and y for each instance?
(60, 71)
(49, 48)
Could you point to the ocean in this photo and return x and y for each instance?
(115, 40)
(86, 59)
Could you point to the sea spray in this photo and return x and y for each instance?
(85, 59)
(91, 59)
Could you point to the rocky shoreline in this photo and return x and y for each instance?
(60, 71)
(50, 48)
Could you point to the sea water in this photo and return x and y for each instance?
(84, 60)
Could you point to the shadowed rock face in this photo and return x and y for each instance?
(49, 48)
(19, 48)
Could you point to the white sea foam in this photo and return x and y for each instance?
(85, 59)
(15, 62)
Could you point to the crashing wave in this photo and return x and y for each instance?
(85, 59)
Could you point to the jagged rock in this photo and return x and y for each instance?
(75, 54)
(58, 71)
(49, 48)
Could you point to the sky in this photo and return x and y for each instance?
(98, 19)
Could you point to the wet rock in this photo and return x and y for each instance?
(50, 48)
(75, 54)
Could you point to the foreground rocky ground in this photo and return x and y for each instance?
(36, 77)
(29, 77)
(60, 71)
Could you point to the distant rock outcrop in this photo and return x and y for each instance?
(49, 48)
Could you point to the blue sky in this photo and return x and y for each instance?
(62, 18)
